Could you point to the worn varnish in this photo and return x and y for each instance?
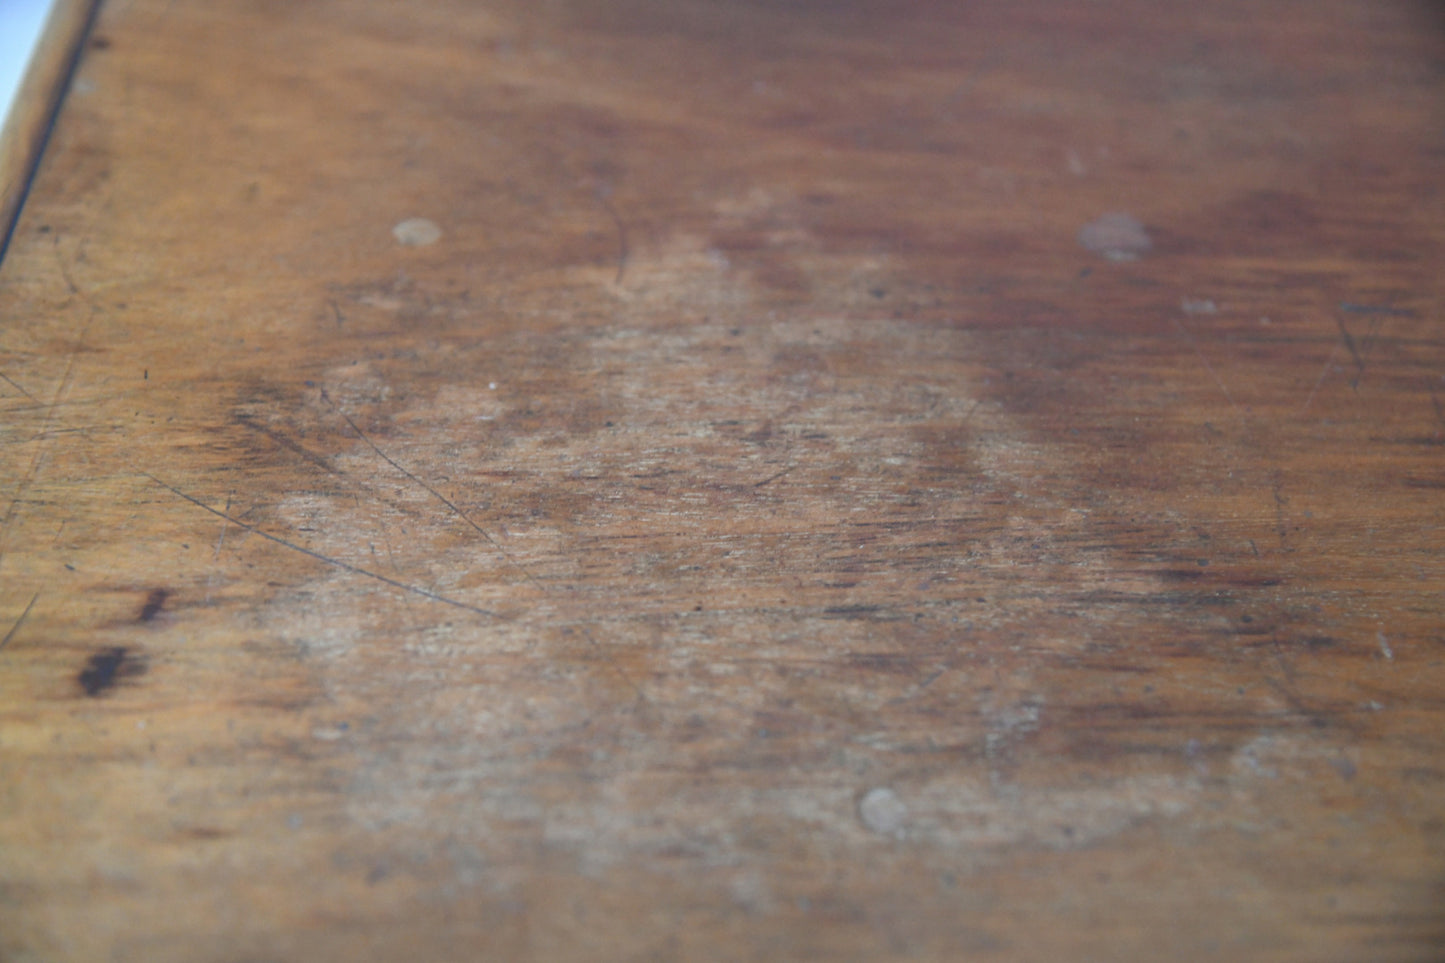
(741, 481)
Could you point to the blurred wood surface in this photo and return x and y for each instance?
(764, 480)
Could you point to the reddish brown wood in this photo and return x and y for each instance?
(761, 518)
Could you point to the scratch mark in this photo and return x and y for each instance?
(1435, 400)
(1324, 370)
(1285, 687)
(221, 539)
(1372, 337)
(486, 536)
(622, 251)
(326, 559)
(772, 478)
(216, 555)
(246, 421)
(1385, 649)
(1208, 367)
(1296, 703)
(16, 627)
(915, 689)
(11, 382)
(1279, 502)
(336, 310)
(1380, 309)
(1284, 665)
(65, 272)
(38, 461)
(390, 552)
(1354, 350)
(428, 488)
(1288, 690)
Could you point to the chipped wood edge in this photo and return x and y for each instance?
(37, 102)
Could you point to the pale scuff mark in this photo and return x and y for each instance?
(416, 232)
(883, 812)
(1117, 236)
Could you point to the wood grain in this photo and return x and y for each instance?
(852, 481)
(25, 129)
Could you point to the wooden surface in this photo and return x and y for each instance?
(26, 126)
(850, 481)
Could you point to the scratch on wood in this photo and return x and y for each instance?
(1439, 410)
(1285, 667)
(426, 487)
(918, 687)
(1279, 503)
(1324, 371)
(65, 272)
(1285, 687)
(773, 477)
(334, 562)
(221, 539)
(622, 251)
(318, 460)
(18, 622)
(1382, 309)
(1317, 718)
(1372, 337)
(61, 390)
(11, 382)
(216, 555)
(1354, 350)
(1207, 366)
(487, 536)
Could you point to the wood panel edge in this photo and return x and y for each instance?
(37, 103)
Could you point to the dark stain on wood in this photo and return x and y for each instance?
(155, 602)
(107, 668)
